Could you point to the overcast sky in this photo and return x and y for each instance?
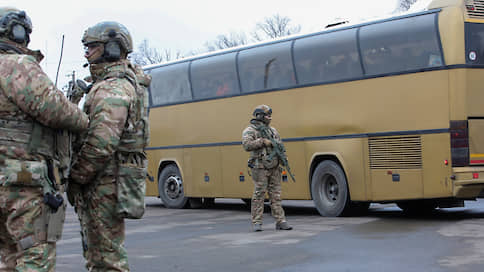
(176, 25)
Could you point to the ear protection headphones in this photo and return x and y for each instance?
(12, 25)
(112, 48)
(19, 35)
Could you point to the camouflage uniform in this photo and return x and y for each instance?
(109, 104)
(30, 107)
(266, 174)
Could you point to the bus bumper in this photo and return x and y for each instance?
(468, 181)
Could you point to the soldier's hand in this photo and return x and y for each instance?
(267, 142)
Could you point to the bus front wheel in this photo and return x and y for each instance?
(170, 187)
(329, 189)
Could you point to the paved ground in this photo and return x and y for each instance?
(219, 239)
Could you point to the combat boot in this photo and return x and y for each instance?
(257, 227)
(283, 226)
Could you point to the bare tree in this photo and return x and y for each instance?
(148, 55)
(274, 27)
(404, 5)
(226, 41)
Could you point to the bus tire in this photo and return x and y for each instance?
(170, 188)
(329, 189)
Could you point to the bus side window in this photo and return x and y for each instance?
(170, 84)
(214, 77)
(401, 45)
(327, 57)
(266, 67)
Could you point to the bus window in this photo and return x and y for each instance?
(400, 45)
(213, 77)
(266, 67)
(327, 57)
(474, 43)
(170, 84)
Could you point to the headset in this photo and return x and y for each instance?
(112, 48)
(12, 25)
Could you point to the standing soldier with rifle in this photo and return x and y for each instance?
(267, 153)
(32, 209)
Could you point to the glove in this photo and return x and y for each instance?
(267, 142)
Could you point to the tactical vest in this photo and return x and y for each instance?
(260, 156)
(135, 136)
(131, 162)
(29, 135)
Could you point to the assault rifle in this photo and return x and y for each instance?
(278, 149)
(77, 89)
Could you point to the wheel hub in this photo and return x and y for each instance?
(331, 189)
(174, 187)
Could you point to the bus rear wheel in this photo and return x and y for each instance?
(170, 188)
(329, 189)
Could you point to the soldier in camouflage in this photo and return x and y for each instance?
(31, 208)
(266, 171)
(110, 156)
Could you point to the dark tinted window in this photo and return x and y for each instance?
(474, 43)
(327, 57)
(214, 76)
(266, 67)
(170, 84)
(400, 45)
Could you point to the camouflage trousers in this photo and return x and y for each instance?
(19, 208)
(104, 229)
(266, 180)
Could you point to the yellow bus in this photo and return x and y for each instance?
(389, 111)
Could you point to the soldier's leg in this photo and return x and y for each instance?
(274, 191)
(27, 249)
(105, 230)
(8, 247)
(260, 188)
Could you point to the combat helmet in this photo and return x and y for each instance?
(115, 37)
(263, 113)
(264, 109)
(15, 25)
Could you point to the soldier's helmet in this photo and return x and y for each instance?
(15, 25)
(115, 37)
(262, 110)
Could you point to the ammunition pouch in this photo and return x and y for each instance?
(47, 228)
(131, 177)
(262, 159)
(24, 173)
(56, 222)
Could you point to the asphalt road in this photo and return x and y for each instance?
(219, 239)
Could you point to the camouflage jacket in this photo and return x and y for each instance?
(109, 103)
(252, 141)
(28, 97)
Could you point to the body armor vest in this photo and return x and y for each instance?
(29, 135)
